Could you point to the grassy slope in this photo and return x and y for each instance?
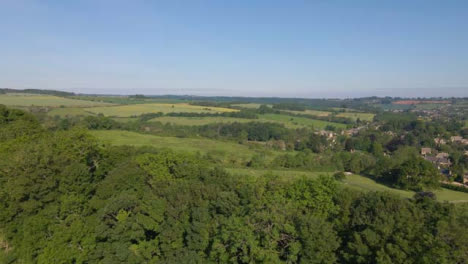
(44, 100)
(68, 112)
(311, 112)
(355, 115)
(226, 151)
(356, 182)
(138, 109)
(297, 122)
(199, 121)
(248, 105)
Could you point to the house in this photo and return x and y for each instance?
(425, 151)
(456, 139)
(351, 132)
(442, 155)
(465, 179)
(327, 134)
(440, 141)
(439, 162)
(464, 141)
(443, 162)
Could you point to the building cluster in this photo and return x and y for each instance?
(441, 159)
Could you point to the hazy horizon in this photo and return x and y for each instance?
(337, 49)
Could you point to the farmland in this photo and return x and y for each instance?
(199, 121)
(138, 109)
(355, 115)
(44, 100)
(68, 112)
(311, 112)
(298, 122)
(229, 152)
(248, 105)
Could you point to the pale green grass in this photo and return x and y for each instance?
(68, 112)
(199, 121)
(227, 152)
(283, 174)
(353, 181)
(138, 109)
(43, 100)
(250, 105)
(355, 115)
(311, 112)
(298, 122)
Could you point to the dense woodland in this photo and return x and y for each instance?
(66, 198)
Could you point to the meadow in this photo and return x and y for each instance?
(353, 181)
(227, 152)
(138, 109)
(248, 105)
(68, 112)
(199, 121)
(298, 122)
(44, 100)
(355, 115)
(310, 112)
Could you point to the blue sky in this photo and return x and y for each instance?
(240, 48)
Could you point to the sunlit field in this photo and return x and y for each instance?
(298, 122)
(227, 152)
(44, 100)
(138, 109)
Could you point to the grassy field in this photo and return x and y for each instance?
(356, 115)
(227, 152)
(298, 122)
(250, 105)
(353, 181)
(68, 112)
(311, 112)
(138, 109)
(199, 121)
(44, 100)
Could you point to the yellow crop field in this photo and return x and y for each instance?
(138, 109)
(44, 100)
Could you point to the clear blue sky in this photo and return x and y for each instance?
(241, 48)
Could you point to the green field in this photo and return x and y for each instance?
(68, 112)
(138, 109)
(199, 121)
(44, 100)
(298, 122)
(355, 115)
(311, 112)
(250, 105)
(355, 182)
(227, 152)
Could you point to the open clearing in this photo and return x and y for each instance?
(199, 121)
(227, 152)
(298, 122)
(354, 116)
(249, 105)
(310, 112)
(354, 181)
(44, 100)
(138, 109)
(68, 112)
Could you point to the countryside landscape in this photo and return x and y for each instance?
(140, 170)
(238, 132)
